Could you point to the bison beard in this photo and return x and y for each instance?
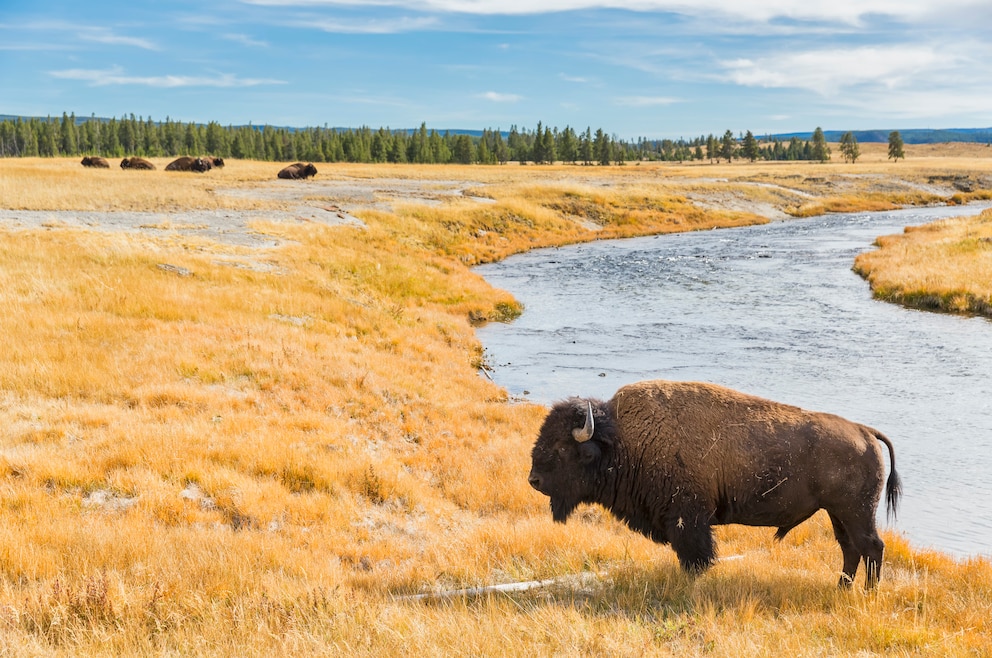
(673, 459)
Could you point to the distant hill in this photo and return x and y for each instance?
(911, 136)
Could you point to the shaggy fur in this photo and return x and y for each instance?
(95, 161)
(136, 163)
(298, 170)
(673, 459)
(187, 163)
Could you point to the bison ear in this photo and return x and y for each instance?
(589, 452)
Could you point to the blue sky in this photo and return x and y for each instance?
(652, 68)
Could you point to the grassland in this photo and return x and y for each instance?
(217, 449)
(943, 266)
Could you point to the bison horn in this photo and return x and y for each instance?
(584, 434)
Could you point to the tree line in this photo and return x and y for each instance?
(130, 135)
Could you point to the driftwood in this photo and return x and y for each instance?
(580, 580)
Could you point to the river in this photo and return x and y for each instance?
(776, 311)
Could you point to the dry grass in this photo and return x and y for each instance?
(943, 266)
(242, 462)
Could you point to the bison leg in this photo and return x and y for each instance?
(873, 559)
(692, 539)
(859, 541)
(852, 557)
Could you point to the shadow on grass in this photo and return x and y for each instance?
(663, 590)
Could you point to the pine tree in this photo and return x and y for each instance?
(820, 151)
(849, 147)
(728, 146)
(602, 148)
(463, 152)
(895, 146)
(586, 146)
(550, 153)
(69, 145)
(501, 150)
(749, 147)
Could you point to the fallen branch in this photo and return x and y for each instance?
(582, 579)
(505, 587)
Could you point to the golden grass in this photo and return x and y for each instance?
(242, 462)
(942, 266)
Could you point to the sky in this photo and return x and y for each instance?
(640, 68)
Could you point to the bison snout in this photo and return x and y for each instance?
(536, 481)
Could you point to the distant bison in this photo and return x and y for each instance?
(298, 170)
(214, 162)
(136, 163)
(187, 163)
(95, 161)
(673, 459)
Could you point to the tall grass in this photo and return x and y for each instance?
(244, 462)
(943, 266)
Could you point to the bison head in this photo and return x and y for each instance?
(567, 459)
(309, 170)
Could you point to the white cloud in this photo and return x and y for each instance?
(829, 70)
(372, 26)
(573, 78)
(497, 97)
(645, 101)
(116, 76)
(246, 40)
(844, 11)
(103, 35)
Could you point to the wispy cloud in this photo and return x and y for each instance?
(498, 97)
(645, 101)
(845, 11)
(116, 76)
(106, 36)
(829, 70)
(89, 33)
(246, 40)
(573, 78)
(371, 26)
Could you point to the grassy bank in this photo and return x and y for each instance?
(262, 459)
(943, 266)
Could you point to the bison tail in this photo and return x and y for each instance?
(893, 486)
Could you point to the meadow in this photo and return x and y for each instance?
(218, 449)
(943, 266)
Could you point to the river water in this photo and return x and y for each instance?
(775, 311)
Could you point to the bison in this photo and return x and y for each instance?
(136, 163)
(95, 161)
(214, 162)
(186, 163)
(298, 170)
(673, 459)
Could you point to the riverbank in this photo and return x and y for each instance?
(945, 266)
(218, 446)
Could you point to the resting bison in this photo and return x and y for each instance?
(673, 459)
(95, 161)
(187, 163)
(214, 162)
(136, 163)
(298, 170)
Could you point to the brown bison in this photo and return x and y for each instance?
(186, 163)
(673, 459)
(136, 163)
(214, 162)
(95, 161)
(298, 170)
